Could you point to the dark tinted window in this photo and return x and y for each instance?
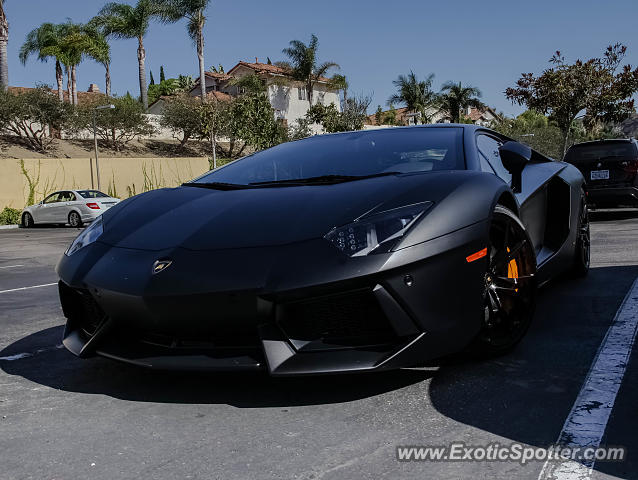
(92, 194)
(359, 153)
(66, 197)
(583, 153)
(488, 149)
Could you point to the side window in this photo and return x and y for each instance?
(488, 149)
(52, 198)
(485, 166)
(72, 197)
(66, 197)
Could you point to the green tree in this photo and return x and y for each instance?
(44, 42)
(193, 11)
(185, 83)
(94, 44)
(115, 127)
(125, 21)
(251, 83)
(390, 117)
(416, 95)
(600, 87)
(4, 40)
(351, 118)
(152, 82)
(535, 130)
(378, 115)
(455, 98)
(32, 116)
(165, 88)
(96, 29)
(68, 43)
(304, 66)
(339, 82)
(183, 117)
(252, 119)
(162, 75)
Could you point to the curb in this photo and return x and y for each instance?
(8, 227)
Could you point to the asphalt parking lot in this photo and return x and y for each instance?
(64, 418)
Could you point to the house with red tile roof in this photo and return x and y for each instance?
(288, 97)
(484, 117)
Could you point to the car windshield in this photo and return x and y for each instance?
(92, 194)
(358, 154)
(609, 150)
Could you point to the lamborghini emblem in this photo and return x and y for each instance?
(161, 265)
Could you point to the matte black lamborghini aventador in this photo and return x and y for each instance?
(358, 251)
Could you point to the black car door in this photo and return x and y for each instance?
(533, 198)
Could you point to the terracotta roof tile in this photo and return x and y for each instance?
(267, 68)
(84, 98)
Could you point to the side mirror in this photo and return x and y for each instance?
(515, 156)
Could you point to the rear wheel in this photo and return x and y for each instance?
(582, 250)
(75, 220)
(27, 220)
(509, 286)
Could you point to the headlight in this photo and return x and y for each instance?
(376, 233)
(88, 236)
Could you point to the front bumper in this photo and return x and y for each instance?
(613, 196)
(267, 309)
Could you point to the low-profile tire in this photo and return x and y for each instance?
(75, 220)
(582, 250)
(27, 220)
(509, 287)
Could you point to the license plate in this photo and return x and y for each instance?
(600, 174)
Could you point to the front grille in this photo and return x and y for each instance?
(202, 342)
(347, 319)
(81, 309)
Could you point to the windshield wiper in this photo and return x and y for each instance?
(217, 185)
(324, 179)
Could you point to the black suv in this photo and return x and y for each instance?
(609, 168)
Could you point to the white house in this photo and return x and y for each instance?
(288, 97)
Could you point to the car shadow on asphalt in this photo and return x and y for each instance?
(58, 369)
(526, 396)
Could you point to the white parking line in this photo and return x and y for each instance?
(27, 288)
(12, 266)
(587, 421)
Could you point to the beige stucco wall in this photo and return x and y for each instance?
(122, 176)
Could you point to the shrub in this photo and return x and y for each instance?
(183, 117)
(33, 116)
(10, 216)
(117, 126)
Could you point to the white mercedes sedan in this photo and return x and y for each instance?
(73, 207)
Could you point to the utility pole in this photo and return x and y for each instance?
(97, 164)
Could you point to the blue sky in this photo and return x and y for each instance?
(486, 44)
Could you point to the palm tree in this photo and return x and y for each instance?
(44, 42)
(73, 48)
(303, 66)
(340, 82)
(125, 21)
(193, 12)
(4, 40)
(455, 97)
(100, 50)
(416, 95)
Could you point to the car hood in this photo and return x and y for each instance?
(205, 219)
